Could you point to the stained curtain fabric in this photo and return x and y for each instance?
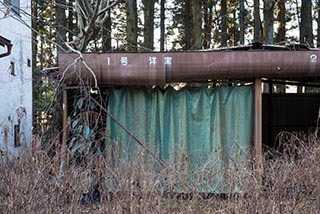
(195, 126)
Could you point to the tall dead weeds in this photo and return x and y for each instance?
(290, 183)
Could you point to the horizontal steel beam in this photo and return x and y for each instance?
(160, 68)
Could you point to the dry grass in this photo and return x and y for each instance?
(289, 183)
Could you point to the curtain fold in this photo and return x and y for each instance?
(190, 127)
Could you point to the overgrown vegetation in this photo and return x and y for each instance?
(288, 183)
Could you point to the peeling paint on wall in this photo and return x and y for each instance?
(20, 137)
(16, 85)
(13, 130)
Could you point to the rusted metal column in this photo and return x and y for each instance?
(258, 122)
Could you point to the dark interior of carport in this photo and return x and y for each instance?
(296, 113)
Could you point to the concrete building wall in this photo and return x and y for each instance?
(16, 77)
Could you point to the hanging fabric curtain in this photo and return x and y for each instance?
(193, 126)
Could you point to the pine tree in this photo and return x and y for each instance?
(148, 27)
(241, 22)
(318, 24)
(132, 25)
(306, 33)
(208, 19)
(281, 18)
(60, 24)
(197, 24)
(268, 21)
(257, 28)
(162, 24)
(224, 36)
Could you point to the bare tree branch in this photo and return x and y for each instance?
(94, 15)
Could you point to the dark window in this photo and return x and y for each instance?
(15, 5)
(12, 69)
(17, 135)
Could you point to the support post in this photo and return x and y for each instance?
(63, 158)
(65, 115)
(258, 122)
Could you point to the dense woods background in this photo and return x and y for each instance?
(159, 25)
(163, 25)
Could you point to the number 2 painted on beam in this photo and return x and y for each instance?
(313, 58)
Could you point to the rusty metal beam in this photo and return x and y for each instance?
(161, 68)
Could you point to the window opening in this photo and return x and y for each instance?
(15, 4)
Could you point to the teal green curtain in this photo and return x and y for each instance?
(192, 125)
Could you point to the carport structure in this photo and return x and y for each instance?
(244, 66)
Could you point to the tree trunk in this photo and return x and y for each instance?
(41, 53)
(132, 25)
(235, 29)
(281, 31)
(106, 33)
(71, 25)
(224, 36)
(318, 25)
(257, 29)
(241, 22)
(197, 24)
(268, 21)
(207, 8)
(34, 34)
(61, 33)
(148, 28)
(162, 24)
(187, 25)
(306, 34)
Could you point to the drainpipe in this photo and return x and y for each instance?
(5, 42)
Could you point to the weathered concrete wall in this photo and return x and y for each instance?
(16, 83)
